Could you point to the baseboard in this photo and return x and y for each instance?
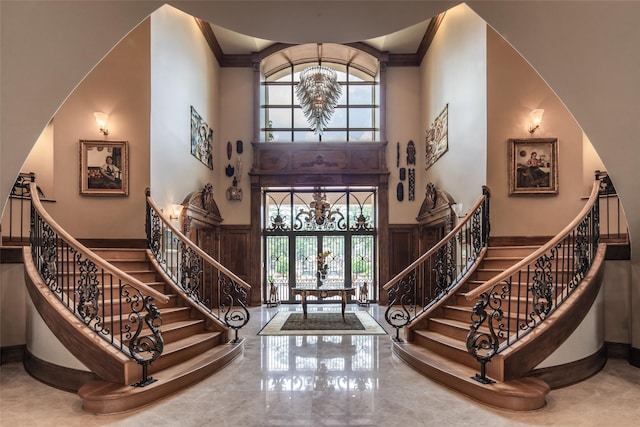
(634, 357)
(60, 377)
(11, 255)
(571, 373)
(618, 350)
(14, 353)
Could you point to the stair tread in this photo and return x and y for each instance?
(105, 397)
(525, 393)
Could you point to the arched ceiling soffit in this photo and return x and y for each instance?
(302, 22)
(328, 52)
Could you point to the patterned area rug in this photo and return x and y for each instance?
(293, 323)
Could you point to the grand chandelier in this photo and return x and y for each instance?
(318, 93)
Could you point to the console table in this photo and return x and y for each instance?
(323, 293)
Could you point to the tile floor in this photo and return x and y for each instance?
(324, 381)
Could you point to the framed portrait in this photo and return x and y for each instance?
(533, 166)
(104, 168)
(201, 139)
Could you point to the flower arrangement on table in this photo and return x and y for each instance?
(321, 261)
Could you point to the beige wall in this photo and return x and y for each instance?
(184, 73)
(514, 89)
(12, 305)
(403, 124)
(454, 72)
(118, 86)
(236, 115)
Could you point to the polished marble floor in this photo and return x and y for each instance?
(324, 381)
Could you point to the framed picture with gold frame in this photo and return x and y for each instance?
(533, 166)
(104, 168)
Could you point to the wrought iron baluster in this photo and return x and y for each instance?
(145, 349)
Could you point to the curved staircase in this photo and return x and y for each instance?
(194, 346)
(436, 343)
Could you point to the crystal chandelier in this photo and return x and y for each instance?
(318, 93)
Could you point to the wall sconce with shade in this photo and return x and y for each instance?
(536, 120)
(101, 121)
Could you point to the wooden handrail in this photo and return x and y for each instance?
(97, 260)
(537, 253)
(196, 248)
(432, 250)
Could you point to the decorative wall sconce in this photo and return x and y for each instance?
(536, 119)
(101, 121)
(458, 209)
(175, 211)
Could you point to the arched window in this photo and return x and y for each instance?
(357, 114)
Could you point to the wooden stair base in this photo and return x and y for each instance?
(524, 394)
(101, 397)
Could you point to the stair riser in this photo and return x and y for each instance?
(510, 251)
(131, 265)
(119, 254)
(183, 354)
(172, 335)
(444, 350)
(456, 332)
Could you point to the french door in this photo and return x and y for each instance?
(316, 238)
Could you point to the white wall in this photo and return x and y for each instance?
(514, 90)
(184, 73)
(454, 72)
(118, 86)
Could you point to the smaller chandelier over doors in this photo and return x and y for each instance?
(318, 93)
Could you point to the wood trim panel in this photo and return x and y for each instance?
(60, 377)
(429, 35)
(210, 37)
(11, 255)
(634, 357)
(574, 372)
(616, 350)
(14, 353)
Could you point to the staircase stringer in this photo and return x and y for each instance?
(97, 355)
(519, 359)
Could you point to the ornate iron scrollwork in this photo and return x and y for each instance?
(88, 291)
(320, 215)
(233, 305)
(144, 349)
(48, 259)
(191, 272)
(401, 304)
(541, 289)
(445, 267)
(484, 345)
